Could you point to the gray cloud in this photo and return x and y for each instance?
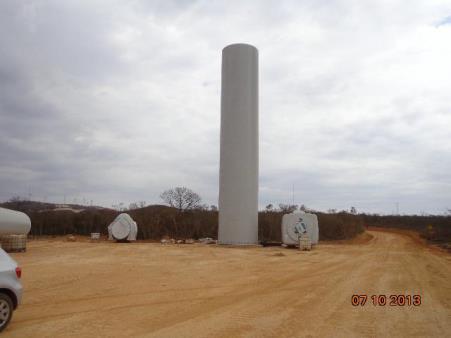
(115, 102)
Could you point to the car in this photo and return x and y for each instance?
(10, 288)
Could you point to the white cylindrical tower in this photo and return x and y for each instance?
(238, 173)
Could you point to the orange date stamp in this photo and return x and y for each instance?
(383, 300)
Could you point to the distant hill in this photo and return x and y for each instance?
(36, 206)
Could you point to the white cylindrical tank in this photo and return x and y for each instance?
(238, 173)
(14, 222)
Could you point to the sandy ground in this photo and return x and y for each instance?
(84, 289)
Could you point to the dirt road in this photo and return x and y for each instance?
(84, 289)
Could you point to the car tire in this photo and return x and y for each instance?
(6, 310)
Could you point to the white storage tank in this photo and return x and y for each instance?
(14, 222)
(123, 228)
(297, 223)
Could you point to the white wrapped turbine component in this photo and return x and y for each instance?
(123, 228)
(296, 224)
(14, 222)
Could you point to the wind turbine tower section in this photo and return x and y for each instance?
(238, 173)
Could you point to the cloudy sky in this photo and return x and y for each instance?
(116, 101)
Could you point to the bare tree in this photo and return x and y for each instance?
(133, 206)
(15, 199)
(353, 210)
(203, 207)
(181, 198)
(213, 207)
(269, 207)
(119, 207)
(287, 207)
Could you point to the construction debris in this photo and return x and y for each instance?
(207, 240)
(71, 238)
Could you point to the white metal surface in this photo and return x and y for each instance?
(238, 174)
(123, 228)
(8, 277)
(14, 222)
(290, 227)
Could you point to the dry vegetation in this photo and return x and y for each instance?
(157, 221)
(436, 229)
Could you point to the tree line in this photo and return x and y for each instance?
(184, 216)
